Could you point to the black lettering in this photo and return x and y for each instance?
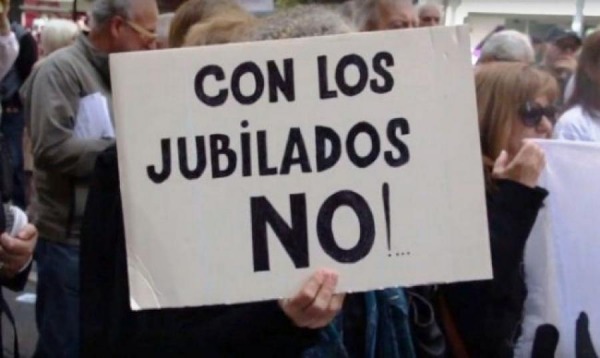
(219, 146)
(367, 227)
(246, 151)
(284, 83)
(212, 101)
(259, 81)
(294, 238)
(340, 75)
(263, 159)
(380, 60)
(295, 140)
(324, 91)
(246, 155)
(394, 138)
(165, 149)
(183, 158)
(363, 127)
(322, 136)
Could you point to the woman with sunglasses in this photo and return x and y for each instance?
(581, 121)
(482, 319)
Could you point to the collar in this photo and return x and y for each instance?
(97, 58)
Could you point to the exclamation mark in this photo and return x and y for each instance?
(385, 191)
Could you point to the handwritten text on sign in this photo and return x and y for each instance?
(263, 161)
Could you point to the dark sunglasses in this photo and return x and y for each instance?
(532, 113)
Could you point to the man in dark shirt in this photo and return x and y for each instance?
(12, 123)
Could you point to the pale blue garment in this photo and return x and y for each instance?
(578, 124)
(387, 332)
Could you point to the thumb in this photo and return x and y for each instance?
(501, 163)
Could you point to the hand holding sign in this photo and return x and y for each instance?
(526, 166)
(316, 304)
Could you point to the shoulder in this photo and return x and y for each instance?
(573, 124)
(60, 64)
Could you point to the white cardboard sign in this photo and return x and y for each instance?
(246, 167)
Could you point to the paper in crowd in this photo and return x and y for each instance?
(246, 167)
(93, 118)
(563, 250)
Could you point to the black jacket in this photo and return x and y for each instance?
(488, 314)
(111, 329)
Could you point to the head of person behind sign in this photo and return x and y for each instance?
(507, 45)
(515, 103)
(372, 15)
(194, 12)
(123, 25)
(300, 21)
(227, 27)
(429, 15)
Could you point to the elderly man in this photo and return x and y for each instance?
(373, 15)
(429, 15)
(68, 101)
(507, 46)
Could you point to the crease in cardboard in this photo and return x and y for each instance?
(145, 283)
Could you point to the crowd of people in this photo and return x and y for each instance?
(83, 306)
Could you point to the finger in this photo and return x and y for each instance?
(309, 291)
(28, 232)
(15, 246)
(294, 307)
(500, 163)
(320, 305)
(335, 306)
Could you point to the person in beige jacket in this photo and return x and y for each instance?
(71, 90)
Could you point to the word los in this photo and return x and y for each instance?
(224, 158)
(283, 80)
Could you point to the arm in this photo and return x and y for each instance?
(9, 47)
(110, 327)
(28, 55)
(512, 212)
(53, 102)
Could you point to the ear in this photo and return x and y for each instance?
(116, 25)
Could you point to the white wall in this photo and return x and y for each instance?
(482, 25)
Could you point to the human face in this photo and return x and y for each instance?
(397, 17)
(561, 50)
(429, 17)
(139, 31)
(533, 121)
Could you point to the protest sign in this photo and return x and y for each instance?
(245, 167)
(562, 252)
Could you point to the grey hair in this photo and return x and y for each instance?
(363, 12)
(428, 6)
(507, 45)
(104, 10)
(301, 21)
(57, 33)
